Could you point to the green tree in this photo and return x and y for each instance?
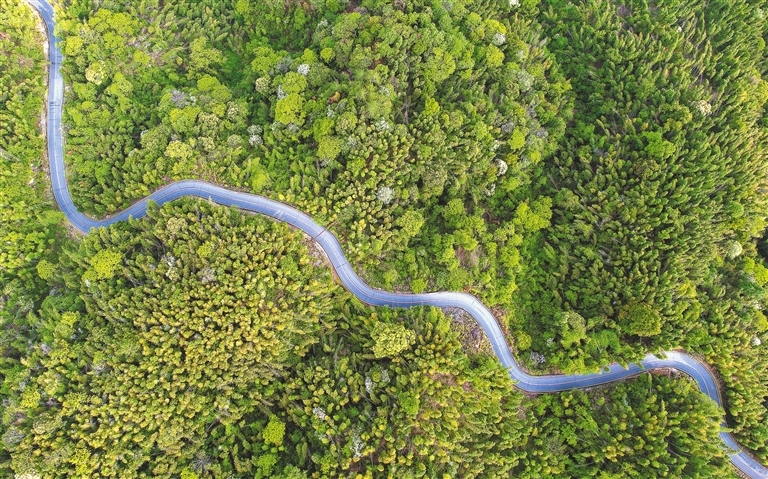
(274, 432)
(640, 319)
(390, 339)
(103, 265)
(289, 110)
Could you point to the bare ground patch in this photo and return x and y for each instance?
(319, 258)
(471, 336)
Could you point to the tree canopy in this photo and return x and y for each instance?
(592, 171)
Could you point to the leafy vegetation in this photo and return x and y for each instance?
(661, 172)
(439, 140)
(657, 194)
(202, 342)
(144, 103)
(410, 129)
(628, 430)
(30, 228)
(26, 220)
(181, 329)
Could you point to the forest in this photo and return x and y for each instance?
(594, 172)
(658, 197)
(202, 342)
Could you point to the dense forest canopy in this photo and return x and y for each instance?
(202, 342)
(27, 223)
(661, 174)
(593, 171)
(30, 228)
(658, 190)
(411, 129)
(629, 430)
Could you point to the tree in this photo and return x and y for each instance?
(640, 319)
(410, 223)
(207, 343)
(274, 432)
(96, 73)
(329, 148)
(202, 57)
(390, 339)
(289, 110)
(103, 265)
(631, 429)
(45, 269)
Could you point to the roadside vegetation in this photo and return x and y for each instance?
(204, 342)
(658, 193)
(594, 172)
(411, 130)
(28, 222)
(30, 226)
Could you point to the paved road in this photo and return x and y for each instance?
(257, 204)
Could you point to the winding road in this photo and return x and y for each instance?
(282, 212)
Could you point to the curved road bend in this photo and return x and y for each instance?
(326, 239)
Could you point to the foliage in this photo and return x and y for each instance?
(242, 361)
(274, 432)
(30, 229)
(201, 342)
(390, 339)
(407, 111)
(27, 223)
(406, 416)
(370, 119)
(657, 191)
(650, 189)
(146, 103)
(640, 319)
(169, 344)
(102, 265)
(652, 426)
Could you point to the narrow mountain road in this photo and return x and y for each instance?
(282, 212)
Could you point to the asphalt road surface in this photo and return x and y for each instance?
(282, 212)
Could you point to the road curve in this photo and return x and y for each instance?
(282, 212)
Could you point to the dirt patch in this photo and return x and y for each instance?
(467, 258)
(41, 28)
(668, 372)
(522, 413)
(471, 336)
(444, 379)
(43, 121)
(623, 10)
(501, 318)
(319, 258)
